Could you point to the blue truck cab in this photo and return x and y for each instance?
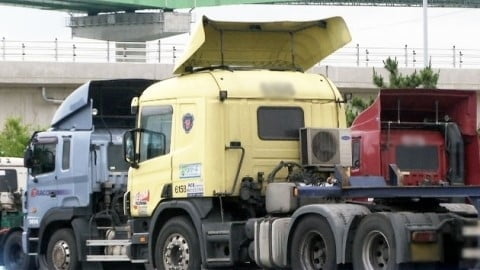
(77, 174)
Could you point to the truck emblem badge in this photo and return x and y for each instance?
(187, 122)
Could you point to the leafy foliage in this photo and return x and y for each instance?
(14, 138)
(426, 78)
(429, 78)
(355, 106)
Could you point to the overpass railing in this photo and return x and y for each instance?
(167, 53)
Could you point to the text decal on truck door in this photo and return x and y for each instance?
(193, 170)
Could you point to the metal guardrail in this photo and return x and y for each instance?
(167, 53)
(89, 51)
(410, 57)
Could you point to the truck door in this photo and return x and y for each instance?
(42, 184)
(155, 159)
(73, 185)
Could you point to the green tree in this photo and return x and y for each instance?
(355, 106)
(429, 78)
(14, 138)
(426, 78)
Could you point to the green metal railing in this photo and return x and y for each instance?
(96, 6)
(401, 3)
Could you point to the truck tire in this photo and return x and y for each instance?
(374, 244)
(13, 256)
(62, 251)
(177, 246)
(313, 245)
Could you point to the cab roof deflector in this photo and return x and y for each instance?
(285, 45)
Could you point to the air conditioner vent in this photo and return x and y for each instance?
(326, 147)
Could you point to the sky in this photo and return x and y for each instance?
(391, 27)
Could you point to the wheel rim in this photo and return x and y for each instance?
(176, 253)
(313, 251)
(61, 255)
(375, 251)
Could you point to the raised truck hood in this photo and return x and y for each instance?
(285, 45)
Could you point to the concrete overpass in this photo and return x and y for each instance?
(143, 20)
(34, 90)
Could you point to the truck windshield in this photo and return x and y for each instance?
(8, 180)
(116, 163)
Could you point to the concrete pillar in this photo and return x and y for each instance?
(130, 26)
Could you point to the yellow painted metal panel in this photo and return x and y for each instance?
(204, 127)
(271, 45)
(152, 175)
(218, 123)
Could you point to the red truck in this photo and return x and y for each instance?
(431, 136)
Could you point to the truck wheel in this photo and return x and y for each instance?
(13, 255)
(374, 244)
(62, 251)
(177, 246)
(313, 245)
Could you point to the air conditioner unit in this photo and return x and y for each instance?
(325, 147)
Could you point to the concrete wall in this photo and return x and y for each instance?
(21, 83)
(27, 103)
(359, 79)
(55, 73)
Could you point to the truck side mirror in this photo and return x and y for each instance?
(347, 97)
(134, 106)
(129, 148)
(28, 158)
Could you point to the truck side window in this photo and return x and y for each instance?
(279, 123)
(356, 153)
(157, 123)
(44, 157)
(66, 154)
(8, 180)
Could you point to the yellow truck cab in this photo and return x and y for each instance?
(211, 121)
(208, 139)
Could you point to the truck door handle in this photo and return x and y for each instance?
(52, 194)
